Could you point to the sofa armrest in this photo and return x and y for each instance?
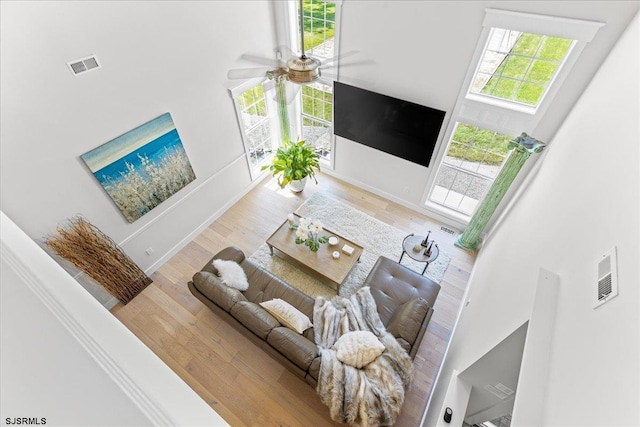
(210, 285)
(231, 253)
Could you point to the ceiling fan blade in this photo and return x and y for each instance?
(349, 64)
(286, 52)
(260, 60)
(246, 73)
(337, 57)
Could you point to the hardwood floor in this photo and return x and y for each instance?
(241, 382)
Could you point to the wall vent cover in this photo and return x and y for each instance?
(607, 283)
(83, 65)
(447, 230)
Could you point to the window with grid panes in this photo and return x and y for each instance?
(317, 98)
(518, 74)
(472, 163)
(255, 123)
(518, 66)
(317, 105)
(319, 18)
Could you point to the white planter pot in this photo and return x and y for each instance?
(298, 186)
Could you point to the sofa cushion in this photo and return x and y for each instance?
(293, 296)
(407, 319)
(294, 346)
(212, 287)
(254, 318)
(287, 315)
(259, 278)
(264, 286)
(231, 274)
(358, 348)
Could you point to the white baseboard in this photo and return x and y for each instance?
(184, 198)
(192, 235)
(438, 216)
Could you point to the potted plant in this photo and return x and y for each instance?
(294, 163)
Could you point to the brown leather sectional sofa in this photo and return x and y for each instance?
(404, 299)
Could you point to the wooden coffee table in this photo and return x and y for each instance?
(321, 263)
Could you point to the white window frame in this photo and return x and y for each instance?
(304, 115)
(582, 32)
(235, 92)
(503, 116)
(287, 20)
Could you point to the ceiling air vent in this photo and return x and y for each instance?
(80, 66)
(607, 284)
(500, 390)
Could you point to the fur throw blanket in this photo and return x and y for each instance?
(369, 396)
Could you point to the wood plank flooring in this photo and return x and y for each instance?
(241, 382)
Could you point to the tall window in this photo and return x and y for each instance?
(515, 67)
(470, 166)
(319, 19)
(317, 116)
(518, 74)
(255, 124)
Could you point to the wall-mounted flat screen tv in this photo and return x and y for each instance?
(400, 128)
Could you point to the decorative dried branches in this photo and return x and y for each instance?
(93, 252)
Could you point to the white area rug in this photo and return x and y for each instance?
(377, 238)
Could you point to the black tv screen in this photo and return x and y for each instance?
(400, 128)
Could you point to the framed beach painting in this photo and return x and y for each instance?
(142, 168)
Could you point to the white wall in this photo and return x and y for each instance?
(156, 57)
(583, 202)
(173, 56)
(422, 51)
(66, 361)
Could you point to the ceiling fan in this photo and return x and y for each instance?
(302, 69)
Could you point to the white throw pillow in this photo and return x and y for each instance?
(231, 274)
(358, 348)
(287, 315)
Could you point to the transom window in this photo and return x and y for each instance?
(519, 66)
(470, 166)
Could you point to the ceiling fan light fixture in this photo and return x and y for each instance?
(303, 70)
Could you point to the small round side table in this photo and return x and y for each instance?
(412, 241)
